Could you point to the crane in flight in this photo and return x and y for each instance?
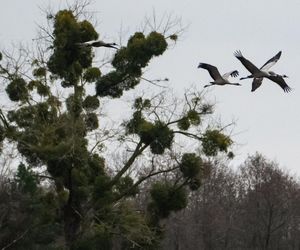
(98, 43)
(218, 78)
(263, 72)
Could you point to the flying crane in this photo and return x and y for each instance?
(218, 78)
(259, 73)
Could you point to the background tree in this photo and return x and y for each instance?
(254, 207)
(270, 205)
(209, 221)
(67, 181)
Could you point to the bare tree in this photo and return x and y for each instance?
(255, 207)
(268, 210)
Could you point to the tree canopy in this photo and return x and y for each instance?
(75, 197)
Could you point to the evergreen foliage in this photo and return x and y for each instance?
(129, 62)
(17, 90)
(72, 195)
(190, 165)
(165, 199)
(91, 103)
(68, 59)
(215, 141)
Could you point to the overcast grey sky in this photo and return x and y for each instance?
(267, 120)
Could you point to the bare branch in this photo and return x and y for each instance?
(154, 82)
(16, 240)
(190, 135)
(142, 179)
(138, 150)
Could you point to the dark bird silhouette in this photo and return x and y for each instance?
(215, 74)
(98, 43)
(259, 73)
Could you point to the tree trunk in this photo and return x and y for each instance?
(72, 216)
(71, 225)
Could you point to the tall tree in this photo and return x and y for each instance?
(89, 202)
(270, 205)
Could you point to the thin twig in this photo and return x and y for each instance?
(16, 240)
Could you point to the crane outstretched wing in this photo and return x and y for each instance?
(248, 65)
(97, 43)
(212, 70)
(271, 62)
(281, 82)
(233, 73)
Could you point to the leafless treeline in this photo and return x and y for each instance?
(255, 207)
